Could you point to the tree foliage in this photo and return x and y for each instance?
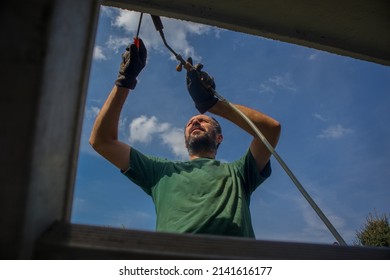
(375, 231)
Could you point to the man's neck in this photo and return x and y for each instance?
(203, 155)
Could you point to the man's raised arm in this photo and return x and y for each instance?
(104, 135)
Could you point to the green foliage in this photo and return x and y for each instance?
(375, 232)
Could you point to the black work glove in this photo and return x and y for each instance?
(200, 86)
(133, 61)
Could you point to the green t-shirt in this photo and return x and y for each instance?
(199, 196)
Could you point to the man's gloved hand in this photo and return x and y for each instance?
(200, 86)
(133, 61)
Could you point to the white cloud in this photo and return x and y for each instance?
(335, 132)
(283, 81)
(176, 32)
(127, 20)
(320, 117)
(175, 140)
(106, 11)
(264, 88)
(91, 112)
(115, 43)
(143, 129)
(278, 81)
(313, 56)
(98, 53)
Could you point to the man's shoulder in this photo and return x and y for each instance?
(144, 156)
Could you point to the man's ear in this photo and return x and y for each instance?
(219, 138)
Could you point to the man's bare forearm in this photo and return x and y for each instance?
(106, 124)
(267, 125)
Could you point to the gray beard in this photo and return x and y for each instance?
(200, 144)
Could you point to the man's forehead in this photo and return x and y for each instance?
(200, 116)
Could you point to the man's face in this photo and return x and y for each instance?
(201, 135)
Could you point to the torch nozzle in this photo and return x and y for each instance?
(157, 23)
(159, 27)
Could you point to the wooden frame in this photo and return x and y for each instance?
(41, 148)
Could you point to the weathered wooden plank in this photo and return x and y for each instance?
(72, 241)
(356, 28)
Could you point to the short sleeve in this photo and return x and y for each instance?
(144, 170)
(248, 169)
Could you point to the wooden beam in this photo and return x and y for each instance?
(72, 241)
(355, 28)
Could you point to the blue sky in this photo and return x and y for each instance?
(333, 110)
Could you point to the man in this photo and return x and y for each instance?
(201, 195)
